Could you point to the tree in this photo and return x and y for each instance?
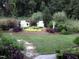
(28, 7)
(37, 16)
(60, 16)
(46, 16)
(72, 8)
(56, 5)
(32, 6)
(42, 6)
(12, 7)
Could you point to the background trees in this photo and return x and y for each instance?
(28, 7)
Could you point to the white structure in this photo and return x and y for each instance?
(54, 23)
(52, 56)
(40, 24)
(24, 24)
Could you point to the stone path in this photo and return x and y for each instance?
(30, 51)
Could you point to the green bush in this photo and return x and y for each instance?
(37, 16)
(76, 41)
(65, 25)
(60, 16)
(6, 24)
(70, 51)
(50, 24)
(61, 26)
(72, 26)
(74, 50)
(65, 32)
(10, 48)
(9, 41)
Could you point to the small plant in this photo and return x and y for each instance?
(76, 41)
(65, 32)
(69, 53)
(9, 41)
(60, 27)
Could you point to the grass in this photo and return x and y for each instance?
(49, 43)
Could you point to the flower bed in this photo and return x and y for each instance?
(33, 29)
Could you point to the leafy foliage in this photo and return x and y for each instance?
(69, 26)
(76, 41)
(9, 41)
(47, 17)
(9, 48)
(72, 26)
(60, 16)
(28, 7)
(37, 16)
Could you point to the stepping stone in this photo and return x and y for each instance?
(30, 49)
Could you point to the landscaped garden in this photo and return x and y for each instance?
(57, 37)
(29, 28)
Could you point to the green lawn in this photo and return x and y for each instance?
(49, 43)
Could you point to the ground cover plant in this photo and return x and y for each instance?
(9, 48)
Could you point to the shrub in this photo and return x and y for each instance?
(52, 25)
(11, 23)
(37, 16)
(64, 32)
(70, 26)
(6, 41)
(10, 52)
(6, 24)
(4, 27)
(70, 53)
(61, 26)
(9, 48)
(59, 16)
(73, 50)
(76, 41)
